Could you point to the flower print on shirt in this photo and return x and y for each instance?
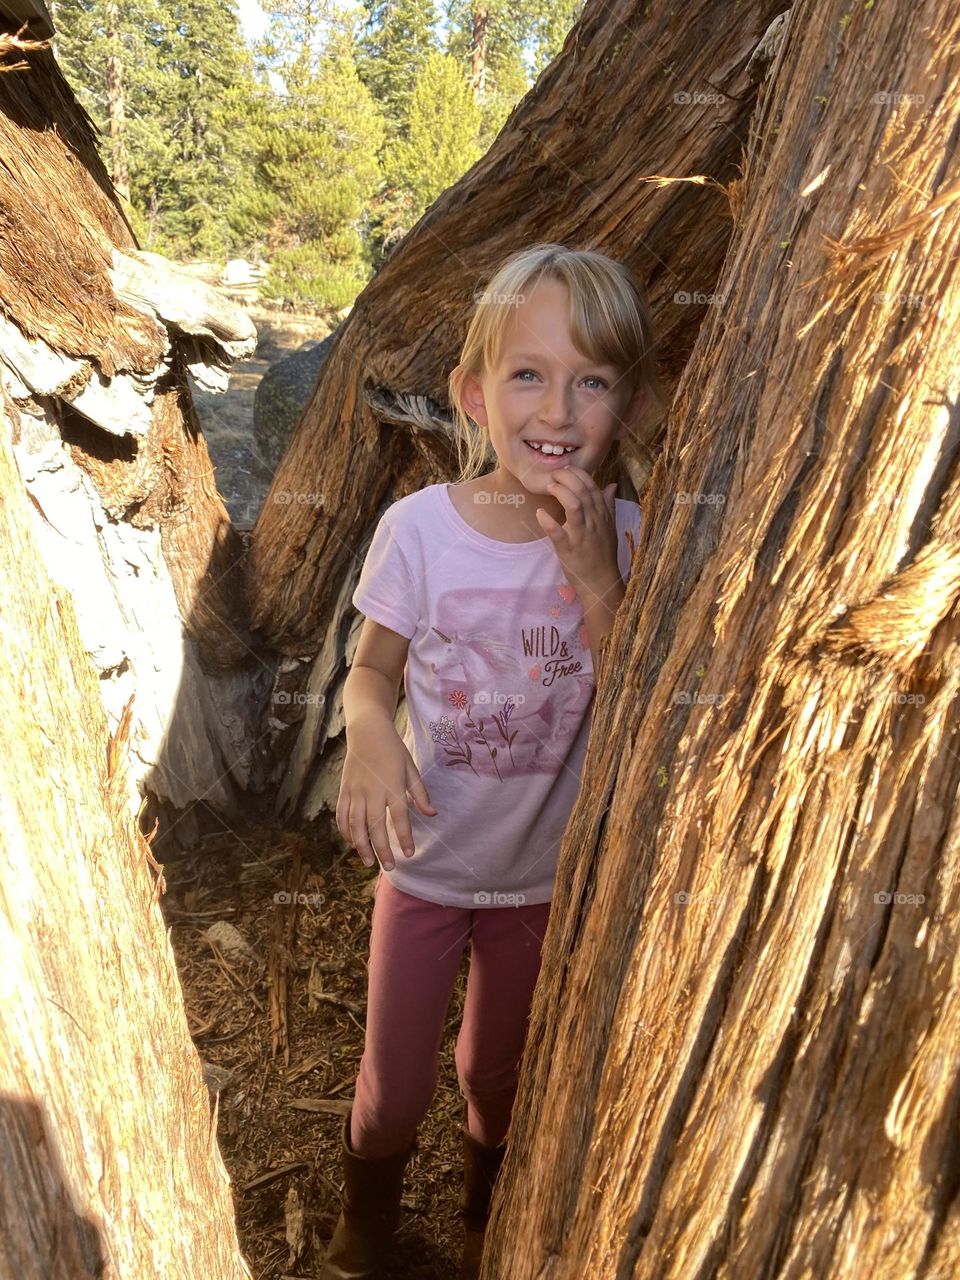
(512, 679)
(444, 730)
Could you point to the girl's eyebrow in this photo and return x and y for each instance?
(522, 355)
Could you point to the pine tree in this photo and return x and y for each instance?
(82, 47)
(550, 27)
(186, 77)
(315, 150)
(303, 29)
(440, 140)
(208, 74)
(393, 50)
(505, 44)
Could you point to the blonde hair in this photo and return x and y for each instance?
(610, 322)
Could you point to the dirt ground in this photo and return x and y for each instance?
(279, 1027)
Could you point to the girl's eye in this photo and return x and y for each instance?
(590, 377)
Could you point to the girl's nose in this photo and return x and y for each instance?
(556, 406)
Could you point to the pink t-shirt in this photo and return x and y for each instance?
(499, 688)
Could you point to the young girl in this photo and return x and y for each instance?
(489, 599)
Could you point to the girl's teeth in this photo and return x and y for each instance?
(552, 450)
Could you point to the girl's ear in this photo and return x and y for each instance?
(471, 393)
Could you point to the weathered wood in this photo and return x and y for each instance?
(222, 332)
(96, 341)
(580, 161)
(108, 1143)
(743, 1053)
(32, 12)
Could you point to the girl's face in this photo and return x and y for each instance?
(544, 390)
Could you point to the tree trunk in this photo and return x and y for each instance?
(115, 105)
(478, 53)
(110, 1158)
(96, 341)
(128, 675)
(743, 1053)
(376, 426)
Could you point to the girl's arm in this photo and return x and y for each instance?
(587, 549)
(600, 605)
(379, 774)
(373, 681)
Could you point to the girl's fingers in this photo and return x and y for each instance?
(343, 819)
(358, 833)
(582, 484)
(553, 528)
(566, 495)
(401, 824)
(571, 503)
(380, 840)
(418, 794)
(584, 492)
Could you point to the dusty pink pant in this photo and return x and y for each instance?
(415, 950)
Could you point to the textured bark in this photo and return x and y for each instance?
(115, 104)
(478, 53)
(109, 1153)
(574, 163)
(743, 1053)
(96, 340)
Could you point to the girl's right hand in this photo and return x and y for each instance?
(378, 774)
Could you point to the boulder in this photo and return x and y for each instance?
(282, 395)
(237, 271)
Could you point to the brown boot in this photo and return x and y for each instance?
(369, 1213)
(481, 1165)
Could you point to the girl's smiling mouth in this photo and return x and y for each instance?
(566, 452)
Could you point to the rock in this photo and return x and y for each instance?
(237, 271)
(282, 395)
(215, 1078)
(228, 938)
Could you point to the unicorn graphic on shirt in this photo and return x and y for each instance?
(499, 710)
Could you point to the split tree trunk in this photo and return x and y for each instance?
(110, 1159)
(124, 667)
(96, 341)
(576, 162)
(743, 1054)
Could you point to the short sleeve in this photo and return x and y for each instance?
(386, 591)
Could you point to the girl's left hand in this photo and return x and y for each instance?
(586, 543)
